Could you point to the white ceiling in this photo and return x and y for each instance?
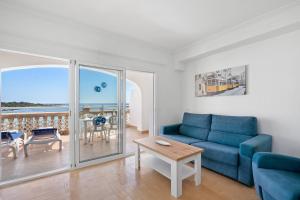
(165, 23)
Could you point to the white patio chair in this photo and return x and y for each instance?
(112, 126)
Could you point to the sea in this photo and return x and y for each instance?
(59, 108)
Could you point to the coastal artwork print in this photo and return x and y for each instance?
(224, 82)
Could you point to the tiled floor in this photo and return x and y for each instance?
(47, 157)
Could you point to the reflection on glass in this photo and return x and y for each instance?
(99, 113)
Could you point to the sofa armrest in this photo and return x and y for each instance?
(170, 129)
(276, 161)
(259, 143)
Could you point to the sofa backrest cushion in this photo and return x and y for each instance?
(232, 130)
(195, 125)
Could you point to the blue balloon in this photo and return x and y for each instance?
(98, 121)
(103, 120)
(97, 88)
(104, 84)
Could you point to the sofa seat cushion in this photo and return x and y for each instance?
(219, 152)
(182, 138)
(226, 138)
(279, 184)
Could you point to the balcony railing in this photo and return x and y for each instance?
(26, 122)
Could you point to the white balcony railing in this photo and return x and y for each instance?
(26, 122)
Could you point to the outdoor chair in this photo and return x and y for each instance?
(112, 125)
(43, 136)
(98, 126)
(12, 140)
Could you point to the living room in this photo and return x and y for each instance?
(225, 108)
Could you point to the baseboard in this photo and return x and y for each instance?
(141, 131)
(144, 131)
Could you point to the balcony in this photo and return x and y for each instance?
(47, 157)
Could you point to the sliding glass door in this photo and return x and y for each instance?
(99, 113)
(35, 136)
(49, 124)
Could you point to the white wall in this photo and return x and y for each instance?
(273, 88)
(145, 110)
(135, 107)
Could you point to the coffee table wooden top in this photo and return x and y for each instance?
(176, 151)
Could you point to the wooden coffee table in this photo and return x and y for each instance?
(170, 161)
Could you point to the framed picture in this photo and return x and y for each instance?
(224, 82)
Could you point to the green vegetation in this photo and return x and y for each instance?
(24, 104)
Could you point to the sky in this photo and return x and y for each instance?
(51, 85)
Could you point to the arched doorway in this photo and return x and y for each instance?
(134, 103)
(140, 100)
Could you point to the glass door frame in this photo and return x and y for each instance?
(121, 81)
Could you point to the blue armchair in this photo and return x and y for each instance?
(276, 176)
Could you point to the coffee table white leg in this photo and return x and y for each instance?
(198, 170)
(176, 178)
(137, 157)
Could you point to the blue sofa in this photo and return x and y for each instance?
(229, 142)
(276, 176)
